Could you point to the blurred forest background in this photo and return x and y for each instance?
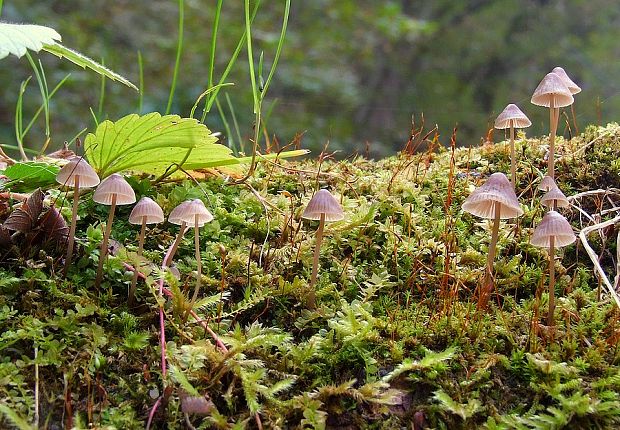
(352, 72)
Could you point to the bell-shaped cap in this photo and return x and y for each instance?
(547, 183)
(512, 116)
(572, 86)
(496, 194)
(77, 166)
(555, 197)
(190, 211)
(323, 203)
(114, 185)
(553, 225)
(146, 209)
(552, 88)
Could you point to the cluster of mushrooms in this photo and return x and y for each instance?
(496, 198)
(114, 190)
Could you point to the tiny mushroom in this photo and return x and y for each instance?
(553, 231)
(146, 211)
(547, 183)
(554, 198)
(113, 190)
(552, 92)
(495, 199)
(323, 207)
(77, 173)
(512, 117)
(194, 214)
(572, 87)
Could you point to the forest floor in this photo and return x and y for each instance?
(396, 339)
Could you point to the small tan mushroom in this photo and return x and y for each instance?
(146, 211)
(555, 198)
(553, 231)
(552, 92)
(572, 86)
(195, 214)
(77, 173)
(323, 207)
(495, 199)
(512, 117)
(547, 183)
(113, 190)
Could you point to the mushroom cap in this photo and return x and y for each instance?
(555, 195)
(552, 87)
(77, 166)
(496, 193)
(187, 212)
(572, 86)
(149, 210)
(114, 184)
(553, 225)
(323, 203)
(547, 183)
(512, 115)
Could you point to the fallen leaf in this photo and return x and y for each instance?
(24, 218)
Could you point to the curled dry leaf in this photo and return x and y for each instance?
(54, 226)
(25, 217)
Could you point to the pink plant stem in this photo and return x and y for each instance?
(204, 325)
(162, 329)
(152, 413)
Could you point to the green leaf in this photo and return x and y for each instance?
(179, 377)
(16, 39)
(199, 159)
(86, 63)
(30, 175)
(151, 144)
(13, 417)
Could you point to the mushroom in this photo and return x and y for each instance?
(552, 92)
(77, 173)
(495, 199)
(555, 198)
(553, 231)
(146, 211)
(547, 183)
(512, 117)
(572, 87)
(323, 207)
(195, 214)
(113, 190)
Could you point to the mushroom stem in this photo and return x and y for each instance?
(315, 263)
(551, 281)
(513, 156)
(76, 198)
(198, 262)
(104, 245)
(553, 124)
(134, 280)
(175, 246)
(487, 286)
